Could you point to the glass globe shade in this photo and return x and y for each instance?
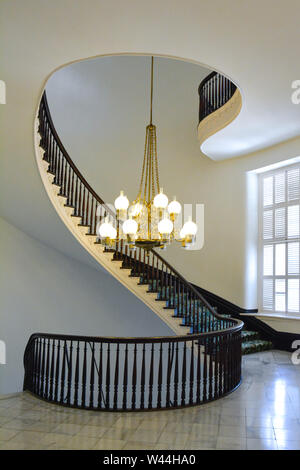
(174, 207)
(160, 201)
(121, 203)
(189, 228)
(130, 227)
(106, 230)
(165, 226)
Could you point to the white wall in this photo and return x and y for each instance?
(41, 290)
(100, 109)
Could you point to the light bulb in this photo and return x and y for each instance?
(106, 230)
(174, 207)
(189, 229)
(130, 227)
(121, 203)
(165, 227)
(160, 201)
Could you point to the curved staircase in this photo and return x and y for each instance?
(200, 363)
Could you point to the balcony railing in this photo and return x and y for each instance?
(214, 91)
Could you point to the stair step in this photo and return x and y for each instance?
(249, 335)
(256, 345)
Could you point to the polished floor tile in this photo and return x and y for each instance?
(262, 414)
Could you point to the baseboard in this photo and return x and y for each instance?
(10, 395)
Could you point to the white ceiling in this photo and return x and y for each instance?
(255, 43)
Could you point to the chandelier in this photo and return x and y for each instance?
(149, 220)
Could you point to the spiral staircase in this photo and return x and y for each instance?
(200, 363)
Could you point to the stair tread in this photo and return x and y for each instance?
(256, 345)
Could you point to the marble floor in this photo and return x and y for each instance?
(264, 413)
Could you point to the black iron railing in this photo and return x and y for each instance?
(133, 373)
(214, 91)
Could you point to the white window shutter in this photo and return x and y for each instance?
(280, 241)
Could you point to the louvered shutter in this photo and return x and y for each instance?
(280, 234)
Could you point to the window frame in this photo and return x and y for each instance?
(280, 240)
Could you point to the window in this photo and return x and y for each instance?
(279, 240)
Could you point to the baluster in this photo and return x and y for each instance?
(47, 369)
(87, 222)
(192, 374)
(183, 375)
(162, 282)
(38, 367)
(34, 365)
(79, 214)
(57, 369)
(52, 370)
(107, 376)
(92, 230)
(76, 198)
(83, 384)
(92, 377)
(57, 171)
(72, 190)
(143, 378)
(100, 377)
(181, 289)
(134, 378)
(168, 375)
(38, 371)
(151, 378)
(76, 378)
(70, 364)
(176, 375)
(152, 271)
(157, 274)
(205, 372)
(43, 368)
(198, 396)
(159, 378)
(125, 378)
(68, 203)
(116, 381)
(63, 373)
(83, 207)
(61, 171)
(202, 318)
(216, 370)
(210, 370)
(171, 290)
(65, 179)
